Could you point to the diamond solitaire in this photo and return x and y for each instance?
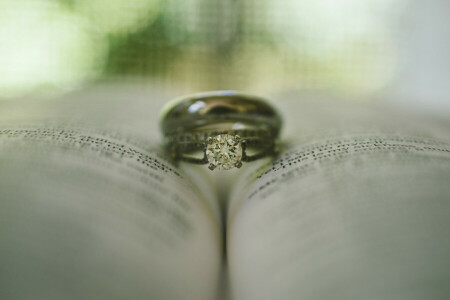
(224, 151)
(227, 127)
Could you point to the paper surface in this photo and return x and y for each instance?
(355, 214)
(91, 210)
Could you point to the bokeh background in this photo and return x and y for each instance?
(398, 48)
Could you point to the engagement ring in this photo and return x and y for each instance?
(222, 129)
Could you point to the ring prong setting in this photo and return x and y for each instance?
(224, 151)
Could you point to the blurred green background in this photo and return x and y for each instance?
(346, 46)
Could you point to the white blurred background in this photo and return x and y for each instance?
(365, 49)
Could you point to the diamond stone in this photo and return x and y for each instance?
(224, 151)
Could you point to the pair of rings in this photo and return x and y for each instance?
(222, 129)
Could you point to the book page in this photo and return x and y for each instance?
(91, 209)
(357, 207)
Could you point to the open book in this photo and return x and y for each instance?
(357, 206)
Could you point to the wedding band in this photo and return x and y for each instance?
(227, 127)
